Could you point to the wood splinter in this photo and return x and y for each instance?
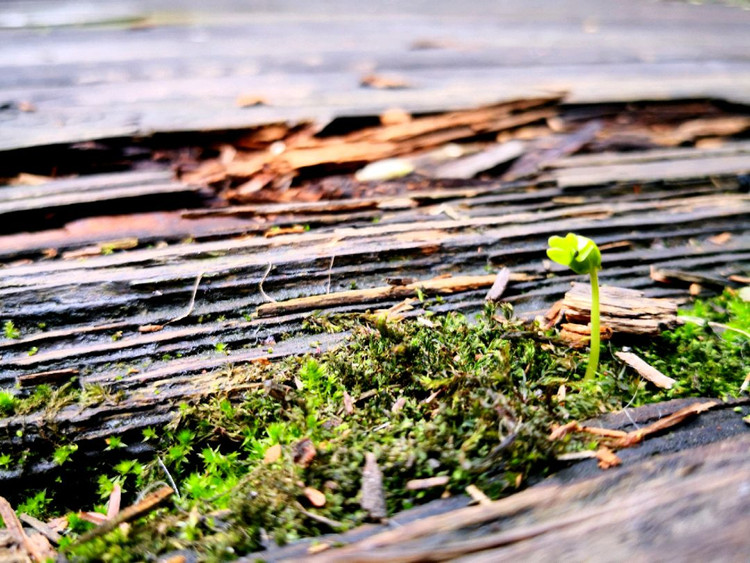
(646, 371)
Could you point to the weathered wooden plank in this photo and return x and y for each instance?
(734, 148)
(165, 78)
(652, 171)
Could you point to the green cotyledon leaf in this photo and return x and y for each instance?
(579, 253)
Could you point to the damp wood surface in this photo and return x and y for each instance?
(180, 201)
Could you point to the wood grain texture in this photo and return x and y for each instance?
(173, 67)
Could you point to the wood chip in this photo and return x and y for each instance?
(434, 286)
(96, 518)
(272, 454)
(318, 548)
(315, 497)
(623, 310)
(394, 116)
(646, 371)
(559, 432)
(428, 483)
(384, 82)
(348, 403)
(477, 495)
(41, 527)
(621, 439)
(720, 239)
(303, 452)
(373, 496)
(398, 405)
(294, 230)
(499, 285)
(607, 458)
(662, 424)
(577, 456)
(250, 101)
(113, 506)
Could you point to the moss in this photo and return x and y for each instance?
(471, 399)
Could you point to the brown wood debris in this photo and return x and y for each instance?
(37, 546)
(646, 370)
(623, 311)
(607, 458)
(373, 495)
(435, 286)
(621, 439)
(132, 512)
(368, 145)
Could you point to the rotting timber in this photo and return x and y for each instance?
(144, 325)
(85, 303)
(135, 319)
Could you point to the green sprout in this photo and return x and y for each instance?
(582, 256)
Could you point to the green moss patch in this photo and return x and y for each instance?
(471, 400)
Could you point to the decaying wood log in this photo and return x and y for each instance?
(623, 311)
(87, 318)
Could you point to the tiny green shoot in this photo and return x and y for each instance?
(582, 256)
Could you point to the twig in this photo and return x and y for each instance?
(330, 268)
(260, 285)
(41, 527)
(318, 518)
(169, 476)
(151, 487)
(16, 530)
(191, 304)
(731, 328)
(130, 513)
(646, 371)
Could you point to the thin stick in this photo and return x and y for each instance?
(41, 527)
(151, 487)
(169, 476)
(330, 267)
(318, 518)
(191, 304)
(130, 513)
(260, 285)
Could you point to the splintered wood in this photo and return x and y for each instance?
(620, 439)
(623, 311)
(646, 370)
(413, 134)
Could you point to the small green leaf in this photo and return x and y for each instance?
(579, 253)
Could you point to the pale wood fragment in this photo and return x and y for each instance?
(646, 370)
(434, 286)
(129, 513)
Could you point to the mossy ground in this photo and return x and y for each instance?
(470, 399)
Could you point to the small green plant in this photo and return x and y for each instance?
(582, 256)
(63, 453)
(10, 330)
(8, 403)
